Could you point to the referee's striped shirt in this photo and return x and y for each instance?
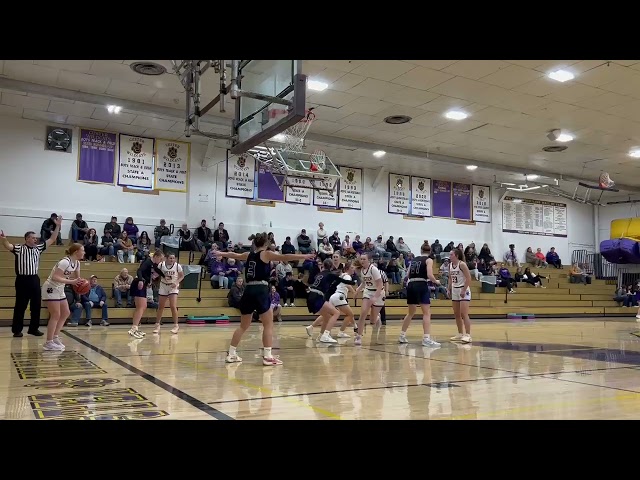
(28, 258)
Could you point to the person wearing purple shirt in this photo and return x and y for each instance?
(216, 270)
(131, 229)
(504, 277)
(275, 303)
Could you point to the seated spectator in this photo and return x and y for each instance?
(530, 258)
(357, 245)
(486, 255)
(131, 229)
(335, 241)
(620, 295)
(391, 249)
(511, 257)
(402, 247)
(121, 286)
(47, 229)
(540, 256)
(381, 248)
(233, 270)
(325, 250)
(449, 247)
(96, 298)
(314, 270)
(275, 304)
(505, 280)
(282, 268)
(221, 237)
(235, 293)
(346, 248)
(631, 297)
(217, 269)
(460, 247)
(393, 272)
(436, 248)
(125, 249)
(160, 231)
(108, 248)
(287, 290)
(304, 242)
(532, 278)
(577, 275)
(322, 234)
(307, 264)
(75, 305)
(553, 258)
(144, 247)
(204, 236)
(444, 271)
(402, 267)
(91, 242)
(79, 229)
(187, 240)
(287, 247)
(300, 288)
(369, 249)
(114, 227)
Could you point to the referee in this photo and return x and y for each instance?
(27, 279)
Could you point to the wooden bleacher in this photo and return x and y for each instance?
(559, 299)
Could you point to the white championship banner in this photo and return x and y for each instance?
(297, 192)
(350, 188)
(172, 165)
(135, 166)
(241, 176)
(323, 199)
(534, 217)
(421, 196)
(481, 204)
(399, 193)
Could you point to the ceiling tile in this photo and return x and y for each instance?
(328, 114)
(422, 78)
(606, 73)
(357, 133)
(410, 97)
(342, 65)
(131, 91)
(462, 88)
(168, 81)
(29, 72)
(77, 109)
(386, 137)
(373, 88)
(126, 129)
(382, 69)
(111, 69)
(430, 119)
(24, 101)
(475, 69)
(101, 113)
(511, 77)
(175, 99)
(527, 63)
(44, 116)
(461, 126)
(552, 65)
(10, 111)
(1, 67)
(331, 98)
(575, 92)
(540, 87)
(626, 63)
(399, 110)
(419, 131)
(433, 64)
(153, 122)
(82, 82)
(316, 72)
(81, 66)
(347, 82)
(359, 120)
(86, 122)
(604, 101)
(444, 103)
(326, 128)
(163, 134)
(368, 106)
(630, 110)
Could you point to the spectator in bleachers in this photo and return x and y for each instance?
(275, 304)
(532, 278)
(121, 286)
(204, 237)
(381, 247)
(91, 242)
(485, 255)
(221, 237)
(233, 270)
(300, 288)
(325, 250)
(75, 306)
(96, 298)
(307, 264)
(449, 247)
(436, 248)
(530, 258)
(144, 247)
(282, 268)
(357, 245)
(160, 231)
(187, 240)
(125, 248)
(444, 271)
(114, 227)
(131, 229)
(393, 272)
(217, 270)
(47, 229)
(322, 234)
(287, 247)
(511, 257)
(271, 239)
(553, 258)
(391, 248)
(79, 229)
(369, 249)
(287, 290)
(577, 275)
(460, 247)
(108, 245)
(314, 270)
(408, 259)
(346, 248)
(630, 299)
(505, 279)
(335, 241)
(402, 267)
(540, 256)
(235, 293)
(620, 295)
(304, 242)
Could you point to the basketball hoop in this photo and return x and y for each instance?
(605, 180)
(317, 162)
(293, 137)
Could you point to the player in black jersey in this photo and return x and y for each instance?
(256, 295)
(325, 285)
(148, 271)
(418, 293)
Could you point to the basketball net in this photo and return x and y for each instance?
(605, 181)
(293, 137)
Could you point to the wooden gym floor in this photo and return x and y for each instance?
(546, 369)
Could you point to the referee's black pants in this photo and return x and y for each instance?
(27, 291)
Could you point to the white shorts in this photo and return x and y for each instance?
(338, 299)
(166, 289)
(457, 294)
(52, 293)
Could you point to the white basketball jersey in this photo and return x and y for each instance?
(370, 276)
(170, 273)
(343, 287)
(456, 275)
(65, 265)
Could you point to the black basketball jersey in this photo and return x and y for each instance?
(418, 268)
(327, 282)
(256, 270)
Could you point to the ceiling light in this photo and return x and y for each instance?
(634, 153)
(532, 177)
(316, 85)
(379, 153)
(564, 137)
(517, 200)
(278, 138)
(472, 167)
(455, 115)
(561, 76)
(113, 108)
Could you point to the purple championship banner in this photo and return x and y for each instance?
(441, 199)
(267, 187)
(97, 156)
(461, 201)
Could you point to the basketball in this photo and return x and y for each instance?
(83, 287)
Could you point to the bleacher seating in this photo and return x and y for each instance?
(560, 298)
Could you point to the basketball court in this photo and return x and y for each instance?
(551, 369)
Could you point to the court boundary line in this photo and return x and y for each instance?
(194, 402)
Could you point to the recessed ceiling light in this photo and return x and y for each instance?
(317, 85)
(532, 177)
(397, 119)
(472, 167)
(564, 137)
(379, 153)
(113, 108)
(455, 115)
(634, 153)
(561, 76)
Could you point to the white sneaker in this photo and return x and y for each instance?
(403, 339)
(457, 337)
(175, 329)
(271, 361)
(358, 340)
(233, 358)
(309, 330)
(135, 333)
(342, 334)
(57, 341)
(326, 338)
(49, 345)
(157, 329)
(429, 342)
(466, 338)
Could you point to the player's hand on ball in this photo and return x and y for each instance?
(78, 281)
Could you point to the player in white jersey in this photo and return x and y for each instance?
(372, 288)
(340, 300)
(65, 272)
(460, 292)
(169, 289)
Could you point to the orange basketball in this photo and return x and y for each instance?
(83, 287)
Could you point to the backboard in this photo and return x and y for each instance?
(273, 99)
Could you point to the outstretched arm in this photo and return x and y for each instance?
(4, 242)
(56, 231)
(237, 256)
(279, 257)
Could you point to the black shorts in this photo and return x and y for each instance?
(255, 298)
(418, 293)
(135, 292)
(315, 302)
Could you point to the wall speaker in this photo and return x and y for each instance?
(59, 139)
